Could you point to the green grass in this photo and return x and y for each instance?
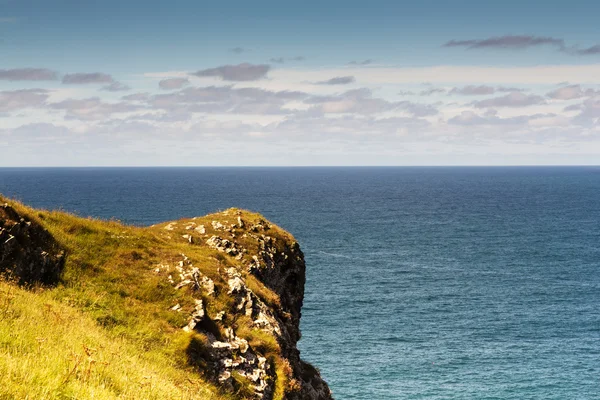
(107, 330)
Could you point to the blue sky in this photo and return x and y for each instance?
(299, 83)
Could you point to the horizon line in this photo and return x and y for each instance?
(300, 166)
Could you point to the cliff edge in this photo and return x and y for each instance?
(218, 297)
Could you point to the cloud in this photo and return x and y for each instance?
(28, 74)
(240, 72)
(12, 100)
(418, 109)
(590, 111)
(162, 117)
(136, 97)
(173, 83)
(576, 50)
(363, 62)
(507, 42)
(92, 109)
(589, 51)
(357, 101)
(517, 42)
(320, 129)
(362, 102)
(39, 132)
(514, 99)
(572, 92)
(470, 118)
(281, 60)
(226, 100)
(116, 87)
(474, 90)
(431, 91)
(86, 78)
(238, 50)
(338, 80)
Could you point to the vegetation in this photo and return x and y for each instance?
(107, 330)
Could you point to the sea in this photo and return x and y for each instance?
(422, 282)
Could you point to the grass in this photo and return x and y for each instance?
(50, 350)
(107, 331)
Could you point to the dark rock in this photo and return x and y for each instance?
(27, 251)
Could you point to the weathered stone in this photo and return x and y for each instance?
(196, 317)
(224, 246)
(27, 251)
(171, 226)
(217, 225)
(279, 265)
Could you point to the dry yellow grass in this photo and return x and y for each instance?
(106, 330)
(49, 350)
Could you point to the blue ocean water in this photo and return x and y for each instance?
(423, 283)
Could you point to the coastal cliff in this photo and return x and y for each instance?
(216, 298)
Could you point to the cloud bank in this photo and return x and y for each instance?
(240, 73)
(28, 74)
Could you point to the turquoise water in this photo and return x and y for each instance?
(423, 283)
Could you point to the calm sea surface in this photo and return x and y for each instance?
(423, 283)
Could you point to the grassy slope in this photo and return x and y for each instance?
(107, 330)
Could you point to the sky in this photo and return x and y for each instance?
(272, 83)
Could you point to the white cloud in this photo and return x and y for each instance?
(469, 75)
(514, 99)
(173, 83)
(12, 100)
(572, 92)
(92, 109)
(287, 108)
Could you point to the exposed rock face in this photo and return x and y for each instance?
(242, 312)
(283, 270)
(27, 251)
(277, 263)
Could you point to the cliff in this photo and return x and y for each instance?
(212, 304)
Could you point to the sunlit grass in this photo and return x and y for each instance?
(50, 350)
(106, 330)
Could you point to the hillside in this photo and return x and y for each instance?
(200, 308)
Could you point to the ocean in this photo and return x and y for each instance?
(422, 283)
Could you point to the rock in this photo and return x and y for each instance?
(27, 251)
(217, 225)
(225, 246)
(171, 226)
(196, 317)
(279, 265)
(189, 276)
(236, 285)
(220, 316)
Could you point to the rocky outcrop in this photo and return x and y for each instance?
(236, 283)
(27, 251)
(280, 266)
(253, 249)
